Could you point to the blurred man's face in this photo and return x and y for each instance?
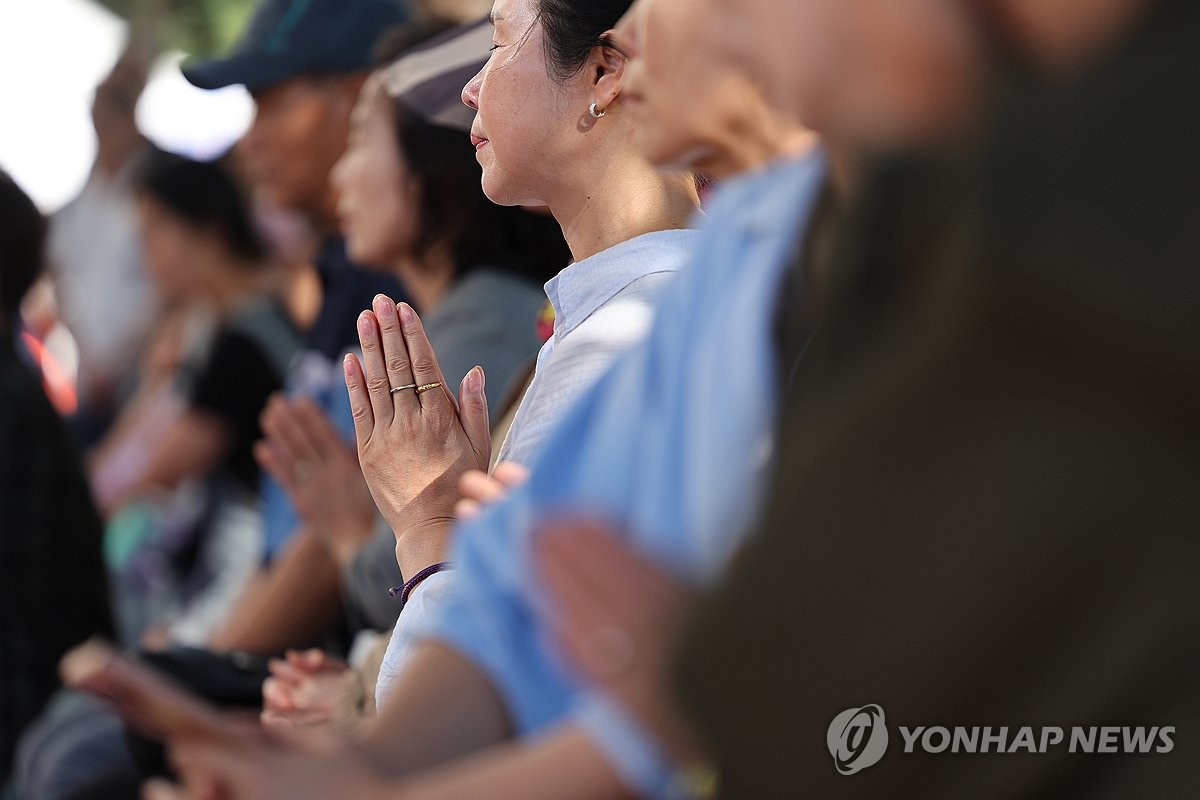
(299, 133)
(874, 73)
(693, 102)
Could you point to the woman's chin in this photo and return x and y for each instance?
(497, 191)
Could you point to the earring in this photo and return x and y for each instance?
(596, 114)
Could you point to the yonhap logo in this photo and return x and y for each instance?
(857, 738)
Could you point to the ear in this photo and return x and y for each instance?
(606, 72)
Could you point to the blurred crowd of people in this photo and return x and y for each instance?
(600, 398)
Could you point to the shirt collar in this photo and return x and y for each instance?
(583, 287)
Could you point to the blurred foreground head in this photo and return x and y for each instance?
(304, 62)
(22, 237)
(866, 74)
(876, 74)
(695, 104)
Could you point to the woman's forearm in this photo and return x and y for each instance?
(441, 708)
(288, 605)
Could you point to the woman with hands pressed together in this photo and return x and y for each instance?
(551, 130)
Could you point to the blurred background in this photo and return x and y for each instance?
(53, 54)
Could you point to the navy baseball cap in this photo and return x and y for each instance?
(289, 38)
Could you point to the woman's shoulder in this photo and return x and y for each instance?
(489, 297)
(484, 282)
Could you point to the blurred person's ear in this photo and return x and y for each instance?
(127, 79)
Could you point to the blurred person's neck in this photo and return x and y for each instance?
(115, 152)
(619, 196)
(427, 278)
(751, 135)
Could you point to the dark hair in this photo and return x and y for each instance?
(206, 195)
(22, 242)
(454, 210)
(573, 27)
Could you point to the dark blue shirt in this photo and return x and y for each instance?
(317, 370)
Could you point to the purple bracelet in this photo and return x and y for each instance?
(415, 581)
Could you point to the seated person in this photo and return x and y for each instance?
(199, 427)
(53, 592)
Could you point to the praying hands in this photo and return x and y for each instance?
(415, 438)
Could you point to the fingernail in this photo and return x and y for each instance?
(348, 366)
(475, 381)
(364, 324)
(382, 304)
(406, 312)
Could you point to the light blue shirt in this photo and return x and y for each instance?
(672, 445)
(603, 305)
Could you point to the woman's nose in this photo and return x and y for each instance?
(470, 92)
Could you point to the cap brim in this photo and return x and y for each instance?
(250, 70)
(429, 79)
(439, 101)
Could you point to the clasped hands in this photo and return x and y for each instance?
(413, 446)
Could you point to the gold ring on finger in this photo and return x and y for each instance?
(427, 387)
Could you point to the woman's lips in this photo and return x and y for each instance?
(478, 141)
